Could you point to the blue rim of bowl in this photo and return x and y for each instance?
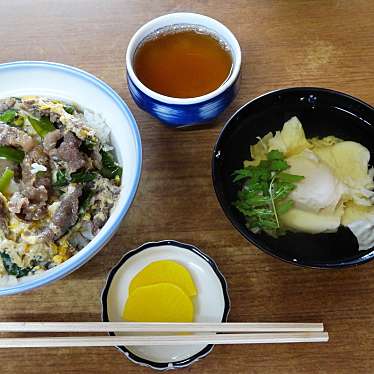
(165, 365)
(65, 269)
(368, 257)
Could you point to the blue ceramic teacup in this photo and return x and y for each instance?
(177, 112)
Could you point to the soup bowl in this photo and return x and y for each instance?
(177, 112)
(322, 112)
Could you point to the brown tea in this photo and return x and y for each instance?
(182, 62)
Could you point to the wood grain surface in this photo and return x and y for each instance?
(284, 43)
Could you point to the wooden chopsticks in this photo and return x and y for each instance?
(157, 327)
(210, 333)
(106, 341)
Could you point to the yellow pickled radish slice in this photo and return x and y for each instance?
(164, 271)
(162, 302)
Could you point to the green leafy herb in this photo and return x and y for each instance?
(42, 126)
(8, 116)
(275, 155)
(11, 154)
(110, 168)
(12, 268)
(69, 109)
(290, 178)
(84, 200)
(18, 121)
(5, 179)
(61, 179)
(88, 145)
(12, 118)
(82, 176)
(264, 194)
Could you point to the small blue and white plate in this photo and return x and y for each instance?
(212, 303)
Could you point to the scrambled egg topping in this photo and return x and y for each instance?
(23, 248)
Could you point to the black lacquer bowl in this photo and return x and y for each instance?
(322, 112)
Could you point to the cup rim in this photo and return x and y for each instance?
(142, 32)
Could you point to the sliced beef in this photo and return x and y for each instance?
(17, 202)
(37, 194)
(96, 158)
(102, 202)
(69, 152)
(54, 117)
(4, 217)
(98, 222)
(35, 186)
(65, 216)
(51, 139)
(31, 204)
(6, 164)
(28, 103)
(15, 137)
(6, 104)
(36, 206)
(36, 156)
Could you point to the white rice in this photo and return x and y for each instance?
(97, 122)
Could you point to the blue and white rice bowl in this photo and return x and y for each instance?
(212, 303)
(77, 86)
(177, 112)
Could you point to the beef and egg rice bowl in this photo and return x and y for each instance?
(58, 182)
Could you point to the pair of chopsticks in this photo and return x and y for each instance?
(213, 333)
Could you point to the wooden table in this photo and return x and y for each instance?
(284, 43)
